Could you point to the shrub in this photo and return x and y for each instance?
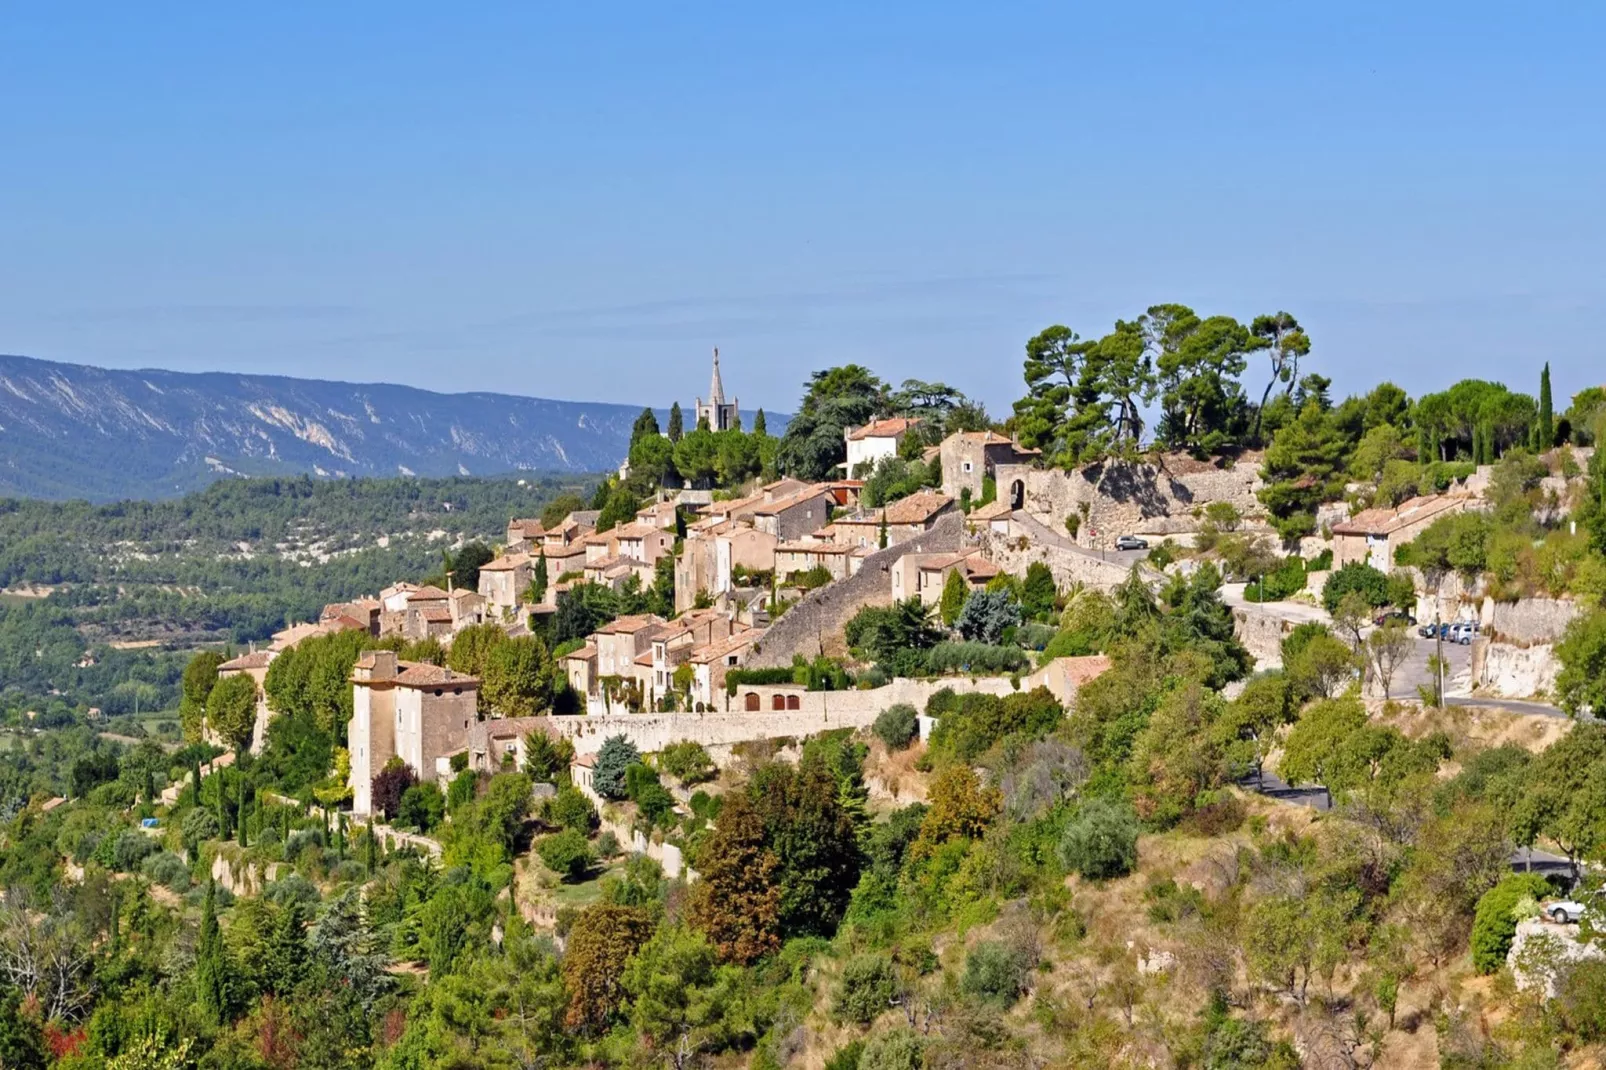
(566, 853)
(570, 809)
(1101, 841)
(892, 1049)
(616, 756)
(986, 615)
(198, 826)
(607, 845)
(422, 806)
(390, 785)
(461, 790)
(1364, 579)
(130, 849)
(897, 726)
(1279, 583)
(643, 788)
(167, 869)
(995, 973)
(847, 1056)
(293, 888)
(1582, 1000)
(1494, 925)
(975, 657)
(1162, 556)
(866, 989)
(687, 761)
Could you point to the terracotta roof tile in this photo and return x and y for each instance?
(423, 674)
(257, 660)
(882, 428)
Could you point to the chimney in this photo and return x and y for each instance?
(384, 665)
(448, 583)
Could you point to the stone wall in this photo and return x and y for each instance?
(814, 625)
(1028, 540)
(1119, 497)
(1528, 620)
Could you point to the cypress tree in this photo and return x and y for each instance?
(116, 927)
(372, 860)
(759, 426)
(677, 423)
(882, 533)
(211, 980)
(195, 778)
(1547, 417)
(539, 579)
(223, 828)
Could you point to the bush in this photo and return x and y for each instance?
(570, 809)
(687, 761)
(892, 1049)
(1281, 582)
(975, 657)
(866, 989)
(1371, 584)
(422, 807)
(198, 826)
(293, 888)
(897, 726)
(847, 1056)
(566, 853)
(1494, 925)
(1582, 1000)
(995, 973)
(1101, 841)
(168, 870)
(979, 720)
(986, 615)
(607, 845)
(461, 790)
(130, 849)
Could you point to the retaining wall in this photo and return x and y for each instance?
(814, 625)
(1514, 671)
(1529, 620)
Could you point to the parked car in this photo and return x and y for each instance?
(1131, 542)
(1563, 911)
(1394, 614)
(1428, 631)
(1461, 632)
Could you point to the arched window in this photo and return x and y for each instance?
(1017, 494)
(753, 704)
(793, 702)
(778, 702)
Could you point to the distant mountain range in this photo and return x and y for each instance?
(73, 431)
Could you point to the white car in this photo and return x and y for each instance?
(1563, 911)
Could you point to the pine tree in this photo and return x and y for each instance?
(1547, 417)
(759, 426)
(677, 426)
(211, 971)
(285, 956)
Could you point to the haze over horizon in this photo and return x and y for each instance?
(581, 203)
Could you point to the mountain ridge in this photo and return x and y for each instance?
(80, 431)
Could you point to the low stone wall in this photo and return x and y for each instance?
(815, 711)
(1261, 632)
(1511, 671)
(814, 625)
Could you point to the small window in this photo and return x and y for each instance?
(465, 724)
(437, 692)
(457, 690)
(967, 466)
(793, 702)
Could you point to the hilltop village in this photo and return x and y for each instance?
(1264, 738)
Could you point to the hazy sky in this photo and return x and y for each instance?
(579, 200)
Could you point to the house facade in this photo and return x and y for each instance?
(417, 712)
(969, 457)
(1373, 535)
(875, 440)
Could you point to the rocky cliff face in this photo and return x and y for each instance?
(68, 430)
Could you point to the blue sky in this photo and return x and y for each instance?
(580, 200)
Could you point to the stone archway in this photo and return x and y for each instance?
(1017, 494)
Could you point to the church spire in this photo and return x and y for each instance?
(716, 389)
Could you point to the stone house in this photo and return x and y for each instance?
(583, 775)
(644, 542)
(839, 559)
(429, 614)
(905, 519)
(468, 607)
(393, 599)
(362, 613)
(255, 665)
(612, 572)
(969, 457)
(794, 515)
(994, 516)
(417, 712)
(712, 661)
(713, 550)
(563, 560)
(923, 576)
(580, 667)
(673, 642)
(875, 440)
(504, 580)
(620, 642)
(522, 535)
(1373, 535)
(495, 742)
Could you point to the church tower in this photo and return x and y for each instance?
(719, 415)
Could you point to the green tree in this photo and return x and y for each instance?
(954, 593)
(566, 853)
(471, 646)
(1038, 592)
(646, 425)
(760, 425)
(539, 579)
(835, 400)
(560, 507)
(601, 942)
(200, 675)
(1495, 924)
(679, 997)
(1581, 683)
(546, 757)
(896, 726)
(1304, 467)
(616, 755)
(1285, 343)
(1053, 371)
(677, 423)
(465, 568)
(519, 677)
(1101, 840)
(211, 966)
(1198, 362)
(1547, 420)
(736, 901)
(231, 709)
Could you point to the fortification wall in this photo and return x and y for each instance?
(1121, 497)
(1261, 632)
(1030, 541)
(814, 625)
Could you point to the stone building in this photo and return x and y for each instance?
(877, 439)
(719, 415)
(1373, 535)
(417, 712)
(905, 519)
(504, 580)
(969, 457)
